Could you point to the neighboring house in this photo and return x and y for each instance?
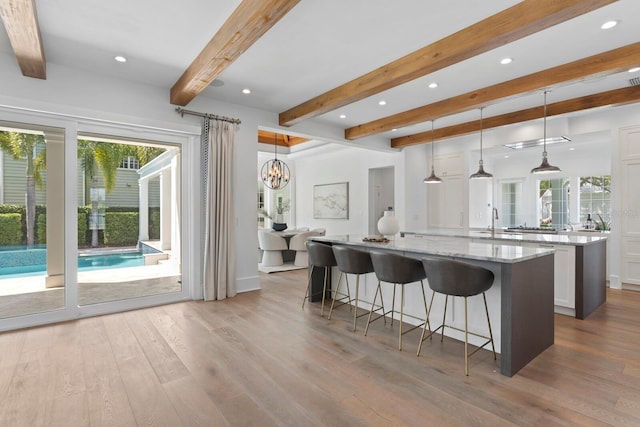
(125, 193)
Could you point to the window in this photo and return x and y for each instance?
(511, 212)
(595, 197)
(130, 162)
(553, 203)
(261, 209)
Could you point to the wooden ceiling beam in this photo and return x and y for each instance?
(603, 64)
(516, 22)
(21, 22)
(627, 95)
(282, 140)
(250, 20)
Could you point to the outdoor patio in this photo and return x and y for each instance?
(27, 295)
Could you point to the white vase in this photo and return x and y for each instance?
(388, 225)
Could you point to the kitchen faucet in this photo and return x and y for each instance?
(494, 216)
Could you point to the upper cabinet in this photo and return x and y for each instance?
(449, 165)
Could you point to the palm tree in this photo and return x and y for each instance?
(107, 157)
(23, 146)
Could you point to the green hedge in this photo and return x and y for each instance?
(84, 234)
(154, 223)
(121, 228)
(82, 229)
(10, 229)
(41, 226)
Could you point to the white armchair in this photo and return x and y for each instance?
(272, 246)
(297, 244)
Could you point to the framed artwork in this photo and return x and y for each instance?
(331, 201)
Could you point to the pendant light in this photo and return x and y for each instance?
(545, 167)
(275, 173)
(481, 174)
(432, 179)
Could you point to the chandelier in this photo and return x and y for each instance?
(275, 173)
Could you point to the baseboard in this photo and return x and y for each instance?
(631, 287)
(247, 284)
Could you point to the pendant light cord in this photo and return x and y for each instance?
(432, 139)
(481, 108)
(275, 146)
(544, 124)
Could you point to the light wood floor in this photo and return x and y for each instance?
(259, 359)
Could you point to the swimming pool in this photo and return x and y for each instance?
(20, 262)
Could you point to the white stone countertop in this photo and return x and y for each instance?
(455, 247)
(573, 239)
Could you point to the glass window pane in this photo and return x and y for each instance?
(31, 219)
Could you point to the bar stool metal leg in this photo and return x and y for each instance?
(486, 310)
(306, 294)
(374, 309)
(336, 292)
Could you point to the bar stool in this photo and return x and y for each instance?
(320, 255)
(461, 279)
(398, 270)
(351, 261)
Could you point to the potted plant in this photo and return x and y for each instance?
(602, 225)
(277, 218)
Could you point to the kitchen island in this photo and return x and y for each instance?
(580, 263)
(520, 302)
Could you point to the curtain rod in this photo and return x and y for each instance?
(182, 112)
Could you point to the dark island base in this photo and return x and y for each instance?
(591, 278)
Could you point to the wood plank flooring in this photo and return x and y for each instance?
(260, 360)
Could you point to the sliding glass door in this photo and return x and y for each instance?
(129, 242)
(32, 232)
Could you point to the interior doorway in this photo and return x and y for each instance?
(381, 195)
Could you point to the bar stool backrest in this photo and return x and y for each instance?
(320, 255)
(450, 277)
(394, 268)
(352, 261)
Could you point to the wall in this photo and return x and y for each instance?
(345, 165)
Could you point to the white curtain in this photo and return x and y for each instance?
(219, 245)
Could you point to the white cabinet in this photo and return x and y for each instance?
(449, 165)
(445, 201)
(564, 275)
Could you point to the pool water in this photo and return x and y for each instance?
(96, 262)
(85, 263)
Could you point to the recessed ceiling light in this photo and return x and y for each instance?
(120, 58)
(433, 85)
(383, 102)
(571, 149)
(343, 116)
(506, 157)
(609, 24)
(505, 61)
(634, 70)
(246, 91)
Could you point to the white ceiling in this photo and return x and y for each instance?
(319, 45)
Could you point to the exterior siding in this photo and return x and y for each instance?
(15, 182)
(125, 192)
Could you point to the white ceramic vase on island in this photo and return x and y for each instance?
(388, 225)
